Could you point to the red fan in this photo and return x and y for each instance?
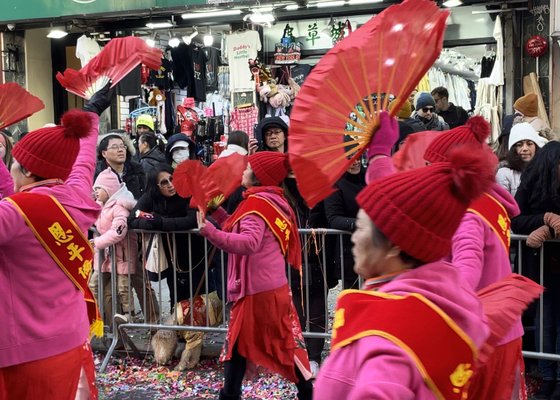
(335, 113)
(192, 179)
(114, 62)
(411, 153)
(16, 104)
(503, 303)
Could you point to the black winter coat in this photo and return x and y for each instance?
(151, 159)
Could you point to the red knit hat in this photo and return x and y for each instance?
(50, 152)
(475, 131)
(269, 167)
(420, 210)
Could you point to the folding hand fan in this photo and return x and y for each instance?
(503, 303)
(114, 62)
(192, 179)
(353, 82)
(16, 104)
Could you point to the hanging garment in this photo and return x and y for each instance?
(183, 69)
(212, 63)
(86, 49)
(245, 119)
(240, 47)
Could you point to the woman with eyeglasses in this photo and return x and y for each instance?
(426, 113)
(162, 209)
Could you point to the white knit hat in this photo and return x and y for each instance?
(524, 131)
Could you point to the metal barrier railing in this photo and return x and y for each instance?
(323, 256)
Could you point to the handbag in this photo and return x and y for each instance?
(155, 260)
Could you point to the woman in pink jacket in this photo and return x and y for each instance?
(414, 330)
(46, 316)
(260, 237)
(480, 251)
(117, 202)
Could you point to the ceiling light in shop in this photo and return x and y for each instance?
(56, 33)
(159, 24)
(208, 40)
(174, 42)
(209, 14)
(265, 19)
(330, 4)
(452, 3)
(357, 2)
(292, 7)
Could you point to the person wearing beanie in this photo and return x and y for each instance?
(272, 134)
(179, 148)
(537, 197)
(260, 237)
(407, 125)
(414, 330)
(523, 143)
(48, 316)
(453, 115)
(116, 202)
(528, 107)
(425, 108)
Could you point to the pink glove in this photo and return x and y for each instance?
(385, 137)
(538, 237)
(553, 220)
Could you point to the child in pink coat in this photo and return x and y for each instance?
(117, 202)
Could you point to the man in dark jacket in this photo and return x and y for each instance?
(454, 115)
(112, 152)
(426, 113)
(150, 153)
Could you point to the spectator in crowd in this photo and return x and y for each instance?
(144, 125)
(116, 202)
(179, 148)
(113, 152)
(45, 352)
(523, 143)
(272, 134)
(238, 142)
(407, 125)
(528, 107)
(454, 115)
(264, 327)
(341, 209)
(539, 201)
(150, 152)
(162, 209)
(404, 227)
(425, 113)
(6, 145)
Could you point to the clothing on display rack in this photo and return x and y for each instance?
(245, 119)
(131, 84)
(223, 82)
(240, 47)
(183, 68)
(199, 66)
(162, 78)
(458, 87)
(212, 63)
(86, 49)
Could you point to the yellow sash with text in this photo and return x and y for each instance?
(494, 214)
(61, 237)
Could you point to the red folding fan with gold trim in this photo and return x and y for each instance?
(336, 112)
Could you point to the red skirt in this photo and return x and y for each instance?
(53, 378)
(266, 328)
(501, 375)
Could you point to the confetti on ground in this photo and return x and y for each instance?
(133, 378)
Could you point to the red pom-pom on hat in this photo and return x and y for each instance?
(50, 152)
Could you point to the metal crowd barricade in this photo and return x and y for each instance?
(314, 244)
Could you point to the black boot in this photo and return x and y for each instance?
(224, 396)
(305, 390)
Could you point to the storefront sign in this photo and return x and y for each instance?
(18, 10)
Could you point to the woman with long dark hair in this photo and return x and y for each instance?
(538, 197)
(524, 142)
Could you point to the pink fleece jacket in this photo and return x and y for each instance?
(43, 314)
(479, 254)
(374, 367)
(6, 181)
(255, 262)
(113, 228)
